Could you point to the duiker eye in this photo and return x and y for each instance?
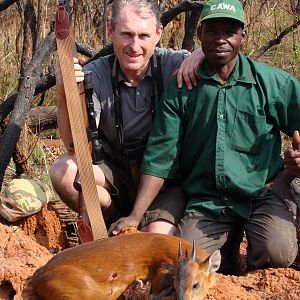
(196, 286)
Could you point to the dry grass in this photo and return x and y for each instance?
(265, 21)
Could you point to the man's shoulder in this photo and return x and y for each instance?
(169, 53)
(267, 71)
(170, 61)
(99, 64)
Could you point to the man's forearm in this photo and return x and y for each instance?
(149, 187)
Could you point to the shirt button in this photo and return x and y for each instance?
(221, 117)
(138, 93)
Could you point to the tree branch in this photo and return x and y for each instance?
(42, 118)
(275, 41)
(184, 6)
(23, 100)
(6, 3)
(45, 83)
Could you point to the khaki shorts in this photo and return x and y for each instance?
(169, 205)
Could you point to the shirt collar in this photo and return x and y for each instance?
(241, 72)
(121, 77)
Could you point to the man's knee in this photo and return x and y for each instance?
(160, 226)
(271, 235)
(193, 227)
(63, 171)
(62, 175)
(279, 252)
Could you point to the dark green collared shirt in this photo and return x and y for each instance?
(224, 139)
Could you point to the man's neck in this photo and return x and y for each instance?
(224, 72)
(134, 76)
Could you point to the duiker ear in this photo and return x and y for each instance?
(214, 261)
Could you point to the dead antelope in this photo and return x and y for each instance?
(105, 268)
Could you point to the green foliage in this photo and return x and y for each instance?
(38, 156)
(50, 134)
(39, 162)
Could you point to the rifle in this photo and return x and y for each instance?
(97, 149)
(78, 122)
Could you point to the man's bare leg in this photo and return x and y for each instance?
(160, 226)
(63, 173)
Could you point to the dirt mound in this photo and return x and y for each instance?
(45, 228)
(29, 244)
(21, 256)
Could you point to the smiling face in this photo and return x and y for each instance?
(221, 40)
(134, 37)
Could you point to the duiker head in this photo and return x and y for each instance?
(194, 277)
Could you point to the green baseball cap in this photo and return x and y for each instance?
(231, 9)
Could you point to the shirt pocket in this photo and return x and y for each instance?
(249, 133)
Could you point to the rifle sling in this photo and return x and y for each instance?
(78, 123)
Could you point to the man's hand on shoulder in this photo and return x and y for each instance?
(79, 75)
(187, 71)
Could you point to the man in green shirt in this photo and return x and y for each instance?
(223, 138)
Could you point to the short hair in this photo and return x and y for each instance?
(139, 7)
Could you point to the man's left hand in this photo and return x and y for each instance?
(188, 69)
(280, 186)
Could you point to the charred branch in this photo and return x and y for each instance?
(194, 6)
(86, 50)
(23, 101)
(45, 83)
(104, 51)
(192, 19)
(6, 3)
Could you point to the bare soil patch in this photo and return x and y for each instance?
(30, 243)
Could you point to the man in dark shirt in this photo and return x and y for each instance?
(132, 77)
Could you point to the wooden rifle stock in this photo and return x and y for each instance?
(78, 121)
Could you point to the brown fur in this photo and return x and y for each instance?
(103, 269)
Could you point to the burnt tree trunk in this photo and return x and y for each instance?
(191, 23)
(23, 101)
(6, 3)
(21, 154)
(184, 6)
(29, 35)
(30, 39)
(45, 83)
(104, 18)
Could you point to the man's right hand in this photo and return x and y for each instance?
(292, 156)
(116, 227)
(79, 75)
